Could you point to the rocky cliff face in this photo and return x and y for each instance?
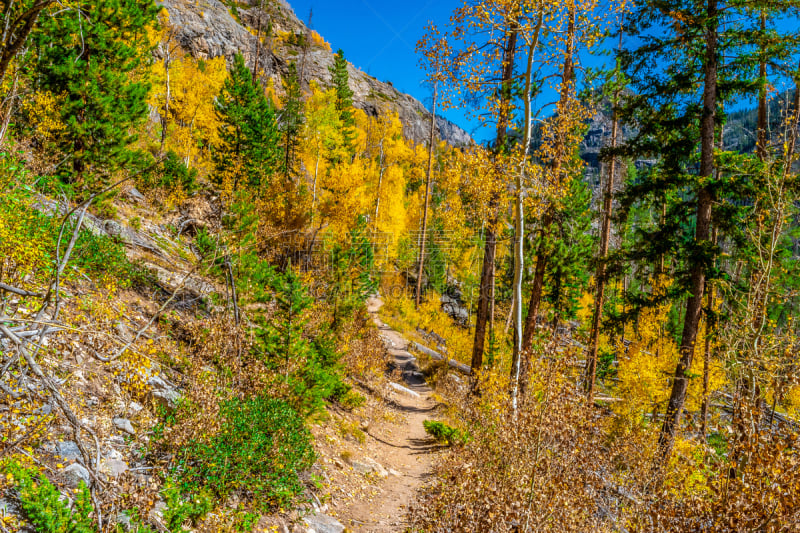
(209, 28)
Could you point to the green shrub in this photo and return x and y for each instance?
(171, 174)
(261, 447)
(351, 400)
(445, 434)
(179, 510)
(205, 242)
(307, 362)
(40, 502)
(605, 363)
(719, 443)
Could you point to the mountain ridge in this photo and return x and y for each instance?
(210, 28)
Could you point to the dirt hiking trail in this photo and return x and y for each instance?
(406, 451)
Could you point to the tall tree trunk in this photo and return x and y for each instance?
(490, 247)
(705, 199)
(567, 80)
(306, 46)
(707, 356)
(537, 286)
(381, 170)
(167, 98)
(519, 219)
(605, 238)
(761, 126)
(427, 199)
(16, 35)
(258, 44)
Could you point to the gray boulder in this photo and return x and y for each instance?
(163, 393)
(75, 473)
(123, 424)
(67, 450)
(322, 523)
(369, 466)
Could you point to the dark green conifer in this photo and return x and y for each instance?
(91, 55)
(248, 131)
(691, 63)
(344, 99)
(569, 248)
(291, 125)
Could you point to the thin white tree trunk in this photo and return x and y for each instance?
(519, 216)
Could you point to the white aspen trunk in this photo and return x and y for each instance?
(519, 218)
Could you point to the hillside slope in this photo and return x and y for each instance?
(210, 29)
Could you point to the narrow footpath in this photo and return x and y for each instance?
(407, 451)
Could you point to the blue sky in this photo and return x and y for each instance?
(379, 36)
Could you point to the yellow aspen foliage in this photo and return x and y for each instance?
(185, 89)
(322, 138)
(586, 308)
(645, 368)
(481, 176)
(346, 195)
(41, 111)
(389, 182)
(319, 41)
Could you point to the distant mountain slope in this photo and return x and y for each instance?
(210, 28)
(740, 130)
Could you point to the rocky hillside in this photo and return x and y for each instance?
(210, 28)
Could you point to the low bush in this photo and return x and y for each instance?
(445, 434)
(171, 174)
(43, 506)
(261, 447)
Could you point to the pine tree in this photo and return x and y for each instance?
(309, 365)
(89, 54)
(344, 100)
(291, 123)
(569, 248)
(248, 131)
(702, 63)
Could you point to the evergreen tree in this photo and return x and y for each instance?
(309, 364)
(570, 245)
(248, 130)
(291, 126)
(690, 63)
(344, 100)
(88, 55)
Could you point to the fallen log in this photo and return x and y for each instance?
(18, 292)
(464, 369)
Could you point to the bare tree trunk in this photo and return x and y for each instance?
(427, 198)
(167, 98)
(707, 356)
(381, 170)
(705, 199)
(519, 219)
(482, 311)
(15, 35)
(8, 104)
(306, 46)
(537, 286)
(567, 81)
(761, 127)
(605, 238)
(314, 187)
(490, 247)
(258, 44)
(493, 301)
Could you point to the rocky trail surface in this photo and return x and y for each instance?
(406, 451)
